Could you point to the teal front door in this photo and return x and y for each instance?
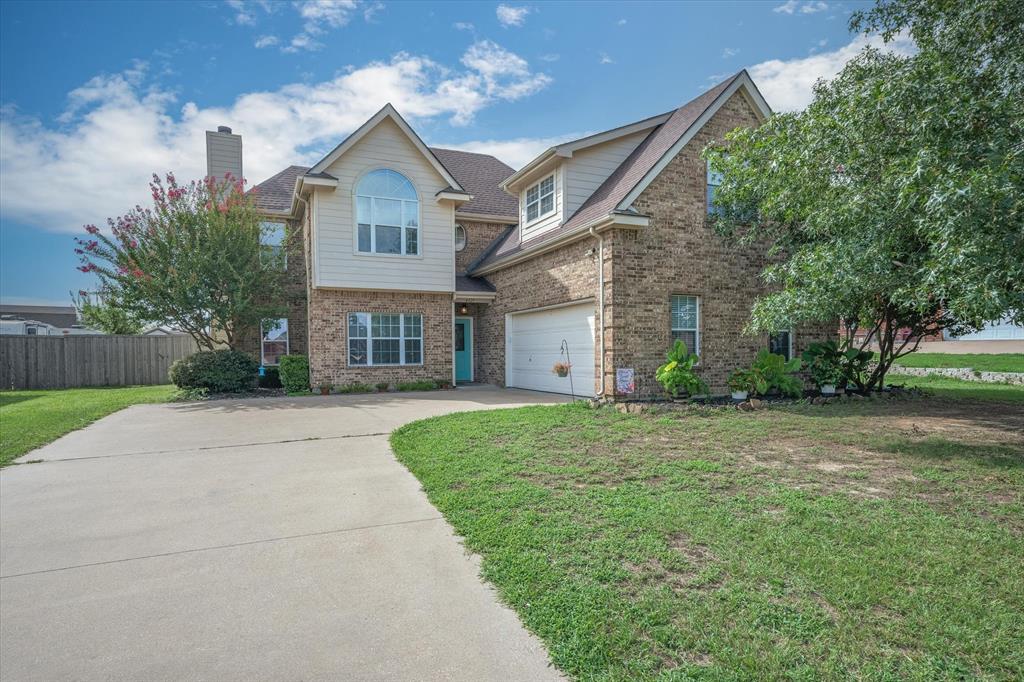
(463, 349)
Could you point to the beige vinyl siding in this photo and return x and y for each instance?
(223, 154)
(337, 262)
(551, 221)
(588, 168)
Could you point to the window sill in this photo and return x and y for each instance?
(370, 254)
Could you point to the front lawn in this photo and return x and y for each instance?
(864, 540)
(29, 419)
(998, 362)
(948, 387)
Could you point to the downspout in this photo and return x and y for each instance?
(600, 297)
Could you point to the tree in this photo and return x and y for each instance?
(192, 261)
(106, 314)
(894, 200)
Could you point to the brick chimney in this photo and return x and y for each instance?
(223, 153)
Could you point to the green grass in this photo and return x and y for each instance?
(948, 387)
(1000, 362)
(865, 540)
(29, 419)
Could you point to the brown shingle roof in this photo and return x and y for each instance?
(472, 284)
(480, 175)
(623, 179)
(274, 195)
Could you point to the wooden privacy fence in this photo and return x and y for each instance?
(89, 360)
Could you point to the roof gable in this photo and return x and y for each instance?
(387, 112)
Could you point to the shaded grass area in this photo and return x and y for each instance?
(29, 419)
(996, 362)
(950, 388)
(876, 540)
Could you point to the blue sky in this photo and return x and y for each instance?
(96, 96)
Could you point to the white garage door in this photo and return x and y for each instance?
(1002, 330)
(533, 346)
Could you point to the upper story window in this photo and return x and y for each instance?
(272, 243)
(540, 199)
(714, 180)
(387, 214)
(460, 237)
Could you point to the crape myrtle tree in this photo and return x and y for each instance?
(105, 313)
(192, 261)
(894, 200)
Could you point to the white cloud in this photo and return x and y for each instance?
(516, 152)
(119, 129)
(463, 26)
(605, 59)
(512, 16)
(795, 6)
(730, 52)
(786, 84)
(550, 57)
(621, 22)
(243, 13)
(266, 41)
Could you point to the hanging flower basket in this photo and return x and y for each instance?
(561, 369)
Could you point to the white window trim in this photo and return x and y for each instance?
(696, 330)
(263, 340)
(369, 341)
(465, 237)
(284, 242)
(372, 253)
(554, 199)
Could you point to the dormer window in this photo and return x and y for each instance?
(540, 199)
(387, 214)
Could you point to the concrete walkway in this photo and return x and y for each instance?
(243, 540)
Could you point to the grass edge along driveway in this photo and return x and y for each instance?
(31, 419)
(860, 540)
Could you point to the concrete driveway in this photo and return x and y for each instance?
(253, 539)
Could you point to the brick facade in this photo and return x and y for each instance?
(679, 253)
(561, 276)
(328, 326)
(478, 237)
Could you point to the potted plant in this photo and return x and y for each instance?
(743, 382)
(677, 376)
(778, 374)
(826, 374)
(561, 369)
(325, 387)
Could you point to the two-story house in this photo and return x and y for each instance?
(411, 262)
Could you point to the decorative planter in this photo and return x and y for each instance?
(562, 373)
(739, 395)
(828, 389)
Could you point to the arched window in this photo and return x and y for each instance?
(460, 237)
(387, 214)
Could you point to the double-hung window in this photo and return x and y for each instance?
(387, 214)
(272, 243)
(540, 199)
(714, 180)
(781, 343)
(686, 322)
(385, 339)
(273, 341)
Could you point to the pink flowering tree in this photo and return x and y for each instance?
(192, 261)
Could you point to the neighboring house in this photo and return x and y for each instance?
(410, 262)
(41, 320)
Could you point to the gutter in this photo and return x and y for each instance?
(600, 295)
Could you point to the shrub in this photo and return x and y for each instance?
(842, 364)
(218, 371)
(420, 385)
(778, 373)
(294, 373)
(749, 380)
(382, 386)
(355, 388)
(677, 374)
(271, 378)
